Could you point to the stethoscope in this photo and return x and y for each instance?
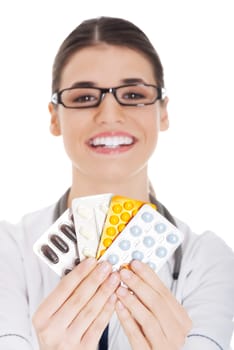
(178, 253)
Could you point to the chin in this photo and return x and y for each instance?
(115, 175)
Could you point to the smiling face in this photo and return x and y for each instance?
(110, 142)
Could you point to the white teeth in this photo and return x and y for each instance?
(113, 141)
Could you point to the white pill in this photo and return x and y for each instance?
(151, 265)
(148, 241)
(87, 233)
(137, 255)
(147, 217)
(113, 259)
(172, 238)
(84, 212)
(160, 227)
(161, 252)
(88, 252)
(136, 230)
(125, 244)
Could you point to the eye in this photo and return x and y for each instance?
(132, 96)
(83, 98)
(80, 97)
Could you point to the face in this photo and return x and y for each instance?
(109, 142)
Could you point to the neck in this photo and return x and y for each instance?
(136, 186)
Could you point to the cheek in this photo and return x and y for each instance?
(150, 125)
(71, 125)
(72, 132)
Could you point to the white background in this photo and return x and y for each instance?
(192, 169)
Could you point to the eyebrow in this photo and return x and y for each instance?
(133, 81)
(83, 84)
(88, 84)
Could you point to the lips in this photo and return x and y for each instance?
(111, 141)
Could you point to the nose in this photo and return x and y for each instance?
(109, 110)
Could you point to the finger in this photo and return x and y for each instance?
(157, 305)
(148, 322)
(64, 316)
(64, 289)
(94, 332)
(131, 328)
(152, 279)
(92, 309)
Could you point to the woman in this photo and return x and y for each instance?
(108, 103)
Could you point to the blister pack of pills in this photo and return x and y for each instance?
(89, 217)
(57, 247)
(121, 211)
(148, 237)
(108, 227)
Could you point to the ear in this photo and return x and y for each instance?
(54, 120)
(164, 121)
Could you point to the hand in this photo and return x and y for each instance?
(150, 315)
(76, 313)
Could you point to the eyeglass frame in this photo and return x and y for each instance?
(56, 96)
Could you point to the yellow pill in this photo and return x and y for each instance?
(101, 253)
(125, 216)
(110, 231)
(121, 227)
(128, 205)
(134, 212)
(107, 242)
(114, 219)
(117, 208)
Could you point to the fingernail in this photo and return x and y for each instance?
(104, 267)
(119, 305)
(137, 265)
(126, 274)
(112, 299)
(122, 291)
(88, 262)
(113, 279)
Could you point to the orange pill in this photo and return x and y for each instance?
(114, 219)
(128, 205)
(117, 208)
(107, 242)
(110, 231)
(125, 216)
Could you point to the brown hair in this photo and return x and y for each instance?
(109, 30)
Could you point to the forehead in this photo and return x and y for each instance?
(106, 65)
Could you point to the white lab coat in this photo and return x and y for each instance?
(205, 286)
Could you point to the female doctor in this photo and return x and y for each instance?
(109, 105)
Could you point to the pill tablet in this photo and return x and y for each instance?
(89, 216)
(59, 243)
(69, 231)
(148, 237)
(121, 211)
(57, 247)
(49, 253)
